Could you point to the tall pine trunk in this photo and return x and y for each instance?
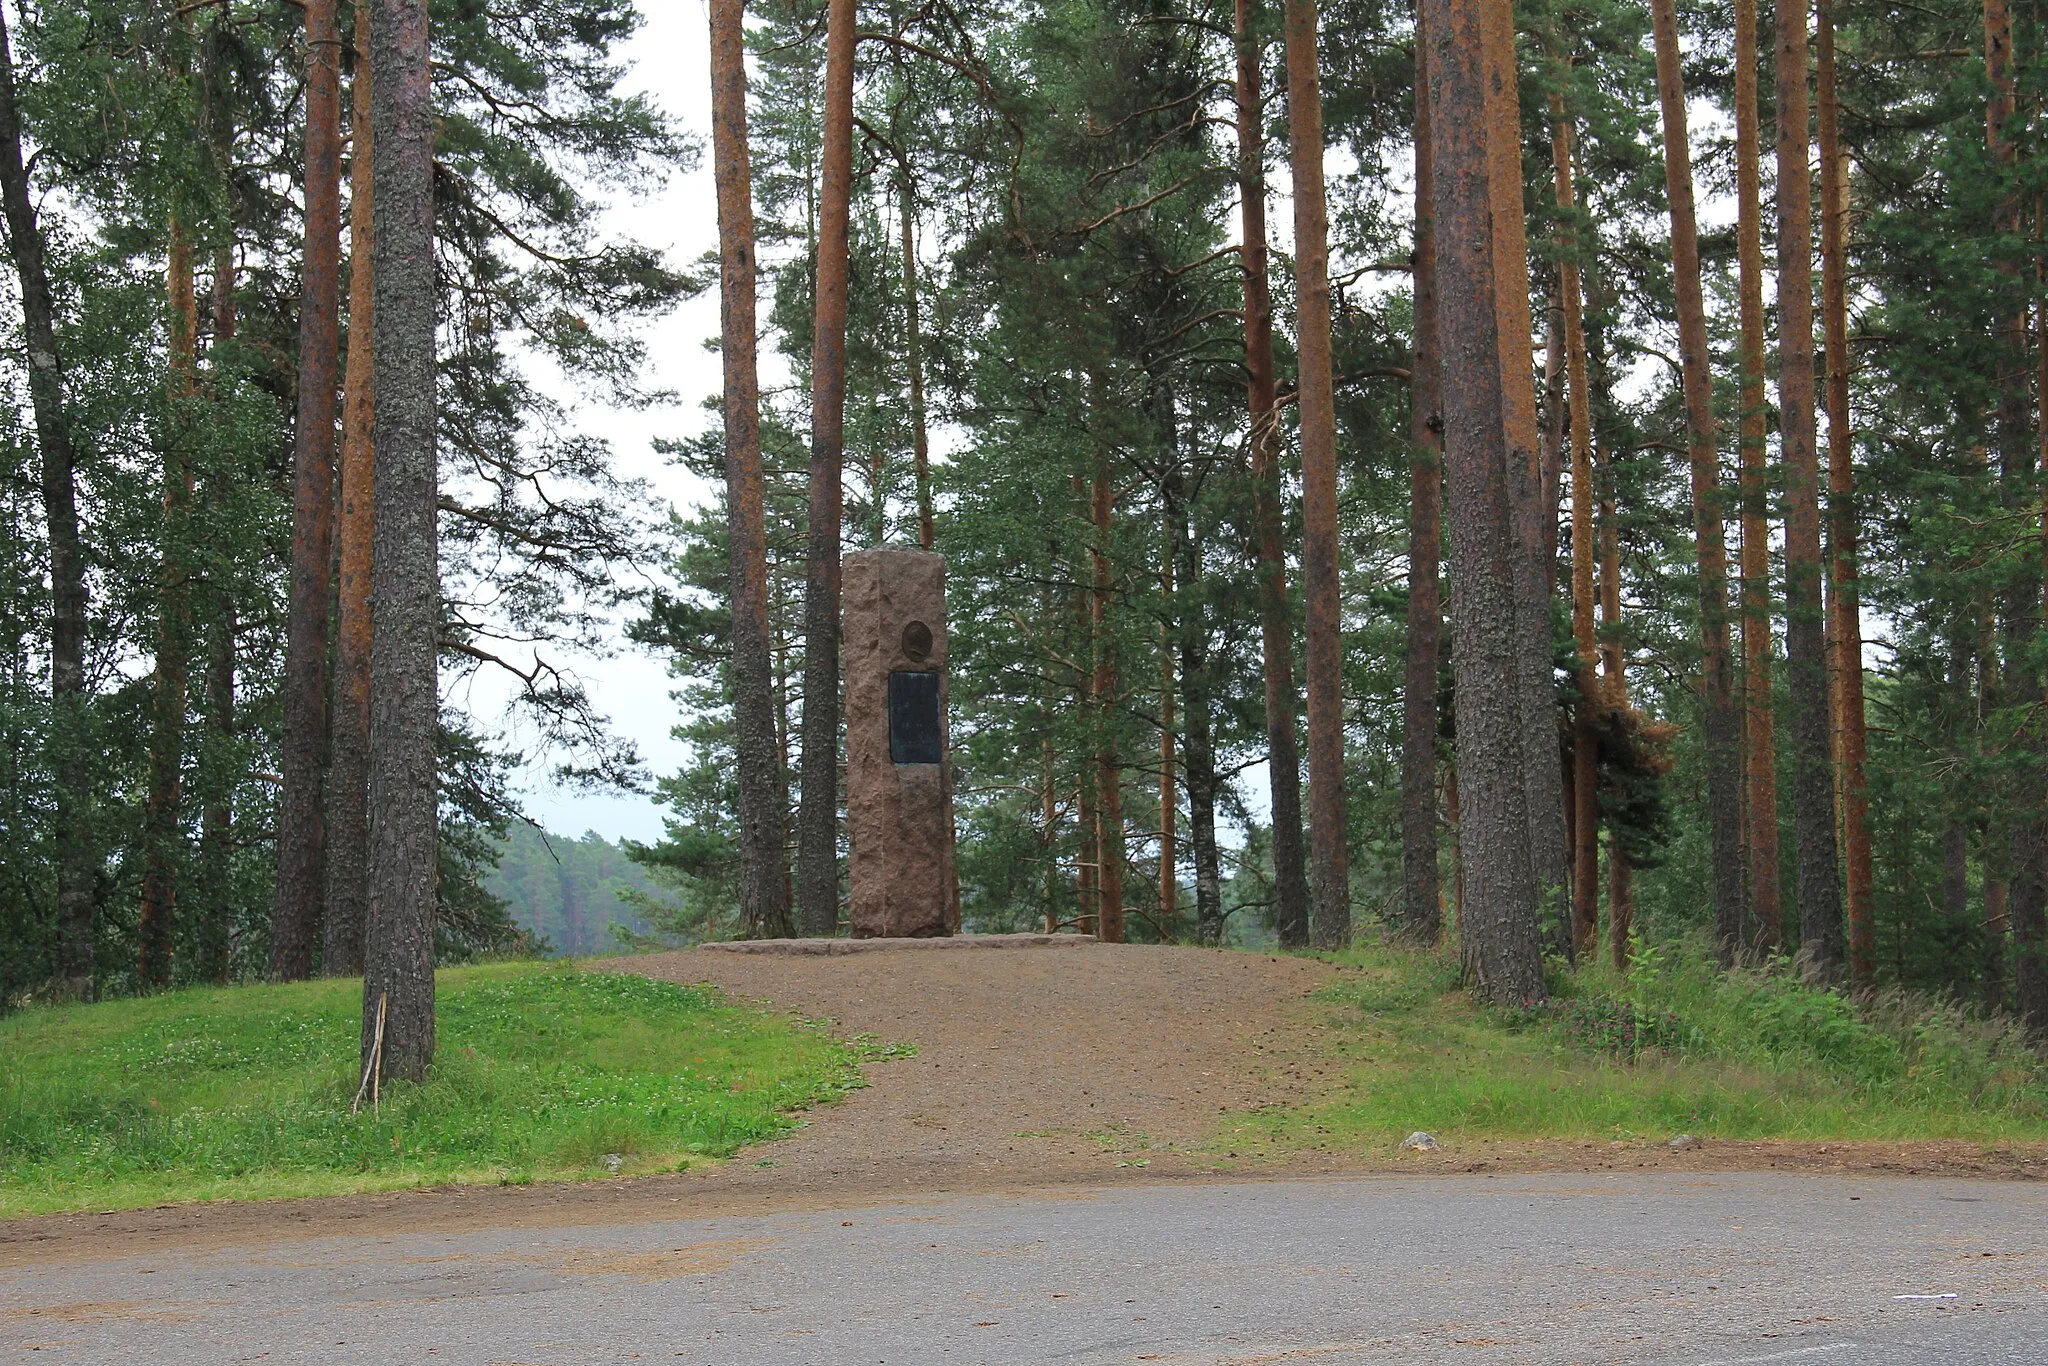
(913, 360)
(817, 820)
(71, 767)
(1200, 747)
(302, 808)
(1760, 763)
(1421, 891)
(1169, 786)
(348, 771)
(162, 824)
(1614, 695)
(1105, 689)
(1845, 633)
(1534, 476)
(1276, 617)
(1806, 664)
(213, 939)
(757, 746)
(1329, 859)
(1723, 727)
(2031, 926)
(1489, 428)
(405, 577)
(1585, 795)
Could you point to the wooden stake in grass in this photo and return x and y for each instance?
(373, 1070)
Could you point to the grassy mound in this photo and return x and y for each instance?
(1676, 1047)
(542, 1071)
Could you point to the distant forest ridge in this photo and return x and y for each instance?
(565, 891)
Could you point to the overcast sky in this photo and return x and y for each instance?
(671, 63)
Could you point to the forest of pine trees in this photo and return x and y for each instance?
(1528, 479)
(275, 479)
(1612, 428)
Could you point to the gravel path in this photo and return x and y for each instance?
(1033, 1065)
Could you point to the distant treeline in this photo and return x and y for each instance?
(565, 892)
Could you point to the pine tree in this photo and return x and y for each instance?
(1329, 859)
(1276, 616)
(817, 872)
(1488, 428)
(763, 797)
(302, 809)
(398, 979)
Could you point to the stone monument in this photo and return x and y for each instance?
(899, 782)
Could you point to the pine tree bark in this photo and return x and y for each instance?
(1329, 858)
(764, 881)
(1844, 601)
(405, 577)
(1108, 764)
(217, 816)
(302, 807)
(2030, 922)
(71, 767)
(1421, 890)
(1169, 786)
(1200, 745)
(1621, 911)
(1760, 764)
(913, 359)
(348, 772)
(1534, 485)
(1276, 617)
(1489, 430)
(162, 824)
(817, 820)
(1585, 796)
(1722, 728)
(1806, 665)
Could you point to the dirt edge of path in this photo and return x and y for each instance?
(1172, 1039)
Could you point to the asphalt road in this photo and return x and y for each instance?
(1657, 1267)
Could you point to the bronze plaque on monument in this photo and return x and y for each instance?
(899, 783)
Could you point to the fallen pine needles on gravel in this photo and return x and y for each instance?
(543, 1071)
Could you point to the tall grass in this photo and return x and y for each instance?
(542, 1071)
(1676, 1046)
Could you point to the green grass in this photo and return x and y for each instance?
(542, 1072)
(1676, 1047)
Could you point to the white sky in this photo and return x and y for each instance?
(671, 62)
